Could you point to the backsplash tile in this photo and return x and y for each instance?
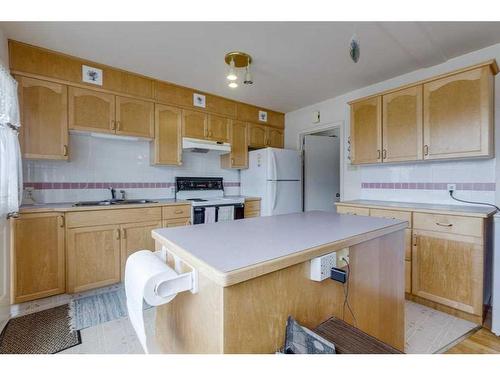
(98, 163)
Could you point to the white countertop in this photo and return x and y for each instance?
(233, 245)
(469, 210)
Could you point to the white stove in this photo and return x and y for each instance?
(207, 198)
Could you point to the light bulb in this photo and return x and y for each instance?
(231, 75)
(233, 85)
(248, 77)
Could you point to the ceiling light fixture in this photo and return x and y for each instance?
(237, 60)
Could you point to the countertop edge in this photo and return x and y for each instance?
(226, 279)
(402, 207)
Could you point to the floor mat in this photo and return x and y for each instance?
(43, 332)
(96, 309)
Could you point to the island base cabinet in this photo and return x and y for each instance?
(448, 269)
(37, 256)
(93, 257)
(250, 316)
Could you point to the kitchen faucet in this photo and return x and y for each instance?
(113, 192)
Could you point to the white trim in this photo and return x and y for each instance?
(321, 128)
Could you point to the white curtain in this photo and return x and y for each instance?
(10, 156)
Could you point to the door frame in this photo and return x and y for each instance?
(319, 129)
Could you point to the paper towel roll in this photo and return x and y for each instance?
(146, 275)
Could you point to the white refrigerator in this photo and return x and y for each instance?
(274, 175)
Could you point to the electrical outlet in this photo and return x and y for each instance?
(451, 187)
(321, 266)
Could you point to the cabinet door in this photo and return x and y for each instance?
(168, 140)
(37, 256)
(274, 137)
(91, 110)
(194, 124)
(448, 269)
(134, 117)
(218, 128)
(256, 135)
(238, 158)
(366, 131)
(402, 125)
(458, 115)
(93, 257)
(136, 237)
(44, 119)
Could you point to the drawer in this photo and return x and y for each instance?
(252, 214)
(170, 223)
(350, 210)
(391, 214)
(252, 205)
(407, 276)
(110, 217)
(467, 226)
(175, 212)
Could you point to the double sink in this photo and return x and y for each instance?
(109, 202)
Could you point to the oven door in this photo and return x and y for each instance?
(198, 215)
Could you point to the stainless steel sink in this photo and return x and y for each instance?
(109, 202)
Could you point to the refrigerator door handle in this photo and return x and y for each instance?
(275, 194)
(274, 167)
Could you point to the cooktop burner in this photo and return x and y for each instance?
(197, 200)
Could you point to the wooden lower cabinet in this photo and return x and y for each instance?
(361, 211)
(38, 261)
(135, 237)
(448, 269)
(93, 257)
(252, 208)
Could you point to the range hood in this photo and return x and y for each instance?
(204, 146)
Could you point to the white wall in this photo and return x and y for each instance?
(4, 228)
(336, 110)
(99, 163)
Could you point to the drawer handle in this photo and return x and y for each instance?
(117, 233)
(65, 150)
(444, 225)
(178, 212)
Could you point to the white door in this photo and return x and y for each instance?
(321, 172)
(283, 197)
(283, 164)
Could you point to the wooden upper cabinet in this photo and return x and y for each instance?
(256, 136)
(274, 137)
(366, 131)
(402, 125)
(168, 139)
(458, 115)
(238, 157)
(194, 124)
(250, 113)
(218, 128)
(448, 269)
(91, 110)
(44, 119)
(93, 257)
(38, 260)
(134, 117)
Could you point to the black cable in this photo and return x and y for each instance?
(471, 202)
(346, 294)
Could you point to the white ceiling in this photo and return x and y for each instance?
(295, 63)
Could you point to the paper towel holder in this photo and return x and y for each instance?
(185, 281)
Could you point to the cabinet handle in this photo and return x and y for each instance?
(232, 161)
(61, 221)
(384, 154)
(378, 154)
(414, 240)
(178, 212)
(118, 123)
(444, 225)
(118, 233)
(124, 233)
(65, 150)
(113, 125)
(426, 150)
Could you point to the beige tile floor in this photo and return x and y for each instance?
(427, 331)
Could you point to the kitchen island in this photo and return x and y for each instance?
(253, 273)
